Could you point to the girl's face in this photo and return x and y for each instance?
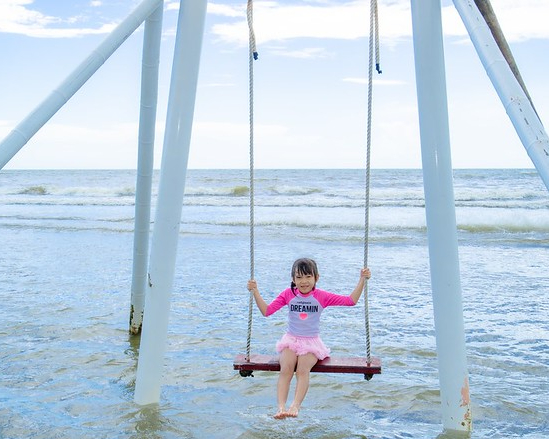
(305, 282)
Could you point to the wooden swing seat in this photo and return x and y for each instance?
(328, 365)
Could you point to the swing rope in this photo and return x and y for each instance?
(252, 56)
(374, 37)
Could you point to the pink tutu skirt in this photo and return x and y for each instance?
(303, 346)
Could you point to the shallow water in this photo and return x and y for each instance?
(68, 365)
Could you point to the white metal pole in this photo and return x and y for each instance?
(147, 120)
(28, 127)
(190, 29)
(440, 214)
(519, 108)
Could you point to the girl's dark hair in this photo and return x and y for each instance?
(303, 266)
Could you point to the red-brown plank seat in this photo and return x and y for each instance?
(259, 362)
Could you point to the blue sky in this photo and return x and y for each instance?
(310, 84)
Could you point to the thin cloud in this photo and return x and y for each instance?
(225, 10)
(380, 82)
(38, 32)
(219, 84)
(279, 21)
(276, 21)
(305, 53)
(18, 17)
(213, 8)
(171, 5)
(523, 20)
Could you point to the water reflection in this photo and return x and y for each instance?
(149, 423)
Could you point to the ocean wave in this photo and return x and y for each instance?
(504, 228)
(382, 219)
(381, 234)
(239, 198)
(328, 203)
(76, 202)
(288, 190)
(244, 190)
(285, 195)
(217, 191)
(409, 225)
(34, 190)
(76, 191)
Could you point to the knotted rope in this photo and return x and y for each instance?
(374, 38)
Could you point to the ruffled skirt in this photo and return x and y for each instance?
(303, 346)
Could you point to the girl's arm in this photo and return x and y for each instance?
(261, 304)
(357, 292)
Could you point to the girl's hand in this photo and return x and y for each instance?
(365, 273)
(259, 301)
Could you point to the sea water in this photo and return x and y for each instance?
(68, 364)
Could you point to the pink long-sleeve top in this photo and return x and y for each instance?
(304, 309)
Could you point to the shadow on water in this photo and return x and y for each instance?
(128, 374)
(453, 434)
(149, 422)
(133, 348)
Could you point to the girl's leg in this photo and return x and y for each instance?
(304, 365)
(288, 361)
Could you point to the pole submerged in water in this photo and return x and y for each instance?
(143, 188)
(188, 44)
(440, 214)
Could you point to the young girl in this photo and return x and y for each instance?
(301, 347)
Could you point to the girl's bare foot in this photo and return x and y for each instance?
(280, 414)
(293, 411)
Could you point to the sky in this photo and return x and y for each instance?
(310, 85)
